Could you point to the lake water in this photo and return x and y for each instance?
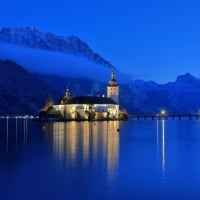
(146, 159)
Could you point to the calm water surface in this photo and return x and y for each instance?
(145, 159)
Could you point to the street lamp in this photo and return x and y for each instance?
(162, 112)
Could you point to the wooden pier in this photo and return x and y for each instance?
(163, 117)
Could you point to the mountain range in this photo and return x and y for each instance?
(23, 91)
(32, 38)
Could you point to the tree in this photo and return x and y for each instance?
(90, 113)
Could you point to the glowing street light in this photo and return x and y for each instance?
(162, 112)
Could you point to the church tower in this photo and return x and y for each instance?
(113, 88)
(67, 93)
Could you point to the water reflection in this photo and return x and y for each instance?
(25, 130)
(163, 150)
(85, 143)
(162, 141)
(7, 133)
(157, 134)
(16, 132)
(13, 131)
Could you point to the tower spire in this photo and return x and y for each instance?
(67, 94)
(113, 74)
(112, 81)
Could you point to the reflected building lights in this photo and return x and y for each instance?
(58, 142)
(86, 141)
(113, 148)
(94, 141)
(105, 126)
(72, 143)
(86, 144)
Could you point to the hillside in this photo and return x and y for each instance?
(20, 91)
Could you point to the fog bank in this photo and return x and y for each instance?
(62, 64)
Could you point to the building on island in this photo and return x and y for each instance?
(87, 107)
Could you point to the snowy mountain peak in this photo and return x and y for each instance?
(32, 38)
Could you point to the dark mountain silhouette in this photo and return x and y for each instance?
(20, 91)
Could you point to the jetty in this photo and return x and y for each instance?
(163, 116)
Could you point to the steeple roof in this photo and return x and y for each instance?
(113, 81)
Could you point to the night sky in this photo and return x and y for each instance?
(152, 40)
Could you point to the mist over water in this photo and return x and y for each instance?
(56, 63)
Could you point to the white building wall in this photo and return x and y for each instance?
(77, 111)
(113, 93)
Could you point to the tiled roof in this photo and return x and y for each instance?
(88, 100)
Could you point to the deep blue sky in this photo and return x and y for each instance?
(152, 39)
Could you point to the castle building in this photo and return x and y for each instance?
(89, 107)
(113, 89)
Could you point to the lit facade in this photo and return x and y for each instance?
(90, 107)
(77, 109)
(86, 107)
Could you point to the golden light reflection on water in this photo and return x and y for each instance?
(88, 142)
(113, 144)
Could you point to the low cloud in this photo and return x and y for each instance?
(62, 64)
